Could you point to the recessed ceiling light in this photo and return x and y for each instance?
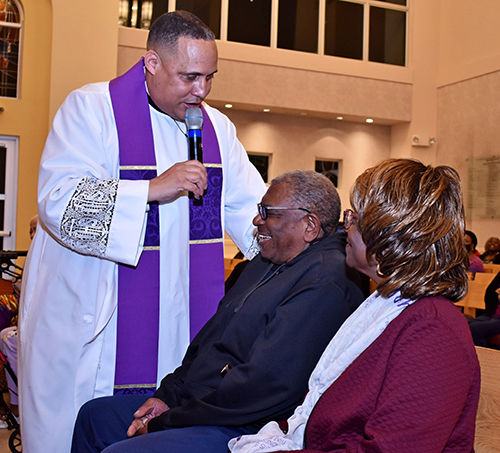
(266, 110)
(369, 120)
(229, 106)
(340, 118)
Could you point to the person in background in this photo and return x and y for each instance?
(401, 374)
(250, 363)
(491, 249)
(475, 263)
(125, 266)
(8, 341)
(33, 226)
(487, 324)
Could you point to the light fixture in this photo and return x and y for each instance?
(266, 110)
(369, 120)
(229, 106)
(340, 118)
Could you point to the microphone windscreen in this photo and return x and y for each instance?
(194, 118)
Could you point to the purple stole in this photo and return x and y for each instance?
(139, 288)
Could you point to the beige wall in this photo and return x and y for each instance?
(27, 117)
(469, 91)
(296, 142)
(84, 46)
(468, 128)
(453, 42)
(469, 39)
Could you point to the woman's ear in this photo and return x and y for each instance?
(313, 227)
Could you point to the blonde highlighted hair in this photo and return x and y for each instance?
(411, 218)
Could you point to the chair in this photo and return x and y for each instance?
(488, 414)
(492, 268)
(229, 265)
(475, 297)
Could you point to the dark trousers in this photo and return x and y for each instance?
(483, 327)
(102, 426)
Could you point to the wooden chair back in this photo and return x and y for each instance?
(488, 414)
(475, 297)
(492, 268)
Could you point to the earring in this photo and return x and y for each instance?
(379, 272)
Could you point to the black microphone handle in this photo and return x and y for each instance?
(196, 153)
(195, 148)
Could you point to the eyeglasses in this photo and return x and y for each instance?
(263, 210)
(349, 218)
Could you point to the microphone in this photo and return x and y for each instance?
(194, 123)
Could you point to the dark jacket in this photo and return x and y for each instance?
(268, 333)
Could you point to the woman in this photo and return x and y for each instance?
(475, 263)
(487, 322)
(401, 375)
(491, 249)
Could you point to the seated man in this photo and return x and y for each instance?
(251, 362)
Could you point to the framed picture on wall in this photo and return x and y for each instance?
(329, 168)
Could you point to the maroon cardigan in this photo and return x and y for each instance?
(414, 390)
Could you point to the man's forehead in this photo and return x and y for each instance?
(276, 195)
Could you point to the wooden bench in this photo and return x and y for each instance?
(488, 414)
(492, 268)
(475, 297)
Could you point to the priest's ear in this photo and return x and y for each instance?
(152, 61)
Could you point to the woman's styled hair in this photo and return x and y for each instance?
(411, 219)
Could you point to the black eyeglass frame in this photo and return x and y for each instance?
(263, 209)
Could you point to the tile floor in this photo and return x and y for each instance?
(5, 433)
(4, 440)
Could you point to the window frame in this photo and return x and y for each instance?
(321, 25)
(20, 27)
(11, 143)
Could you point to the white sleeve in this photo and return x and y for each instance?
(244, 187)
(81, 200)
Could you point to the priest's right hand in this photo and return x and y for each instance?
(190, 176)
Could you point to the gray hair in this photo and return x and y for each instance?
(316, 193)
(169, 27)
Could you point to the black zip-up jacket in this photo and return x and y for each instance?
(267, 335)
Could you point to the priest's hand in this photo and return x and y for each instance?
(153, 407)
(190, 175)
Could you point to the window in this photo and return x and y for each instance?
(209, 11)
(298, 25)
(344, 29)
(368, 30)
(8, 191)
(249, 22)
(329, 168)
(261, 163)
(10, 44)
(387, 36)
(137, 13)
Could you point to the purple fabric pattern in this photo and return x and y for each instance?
(205, 224)
(152, 238)
(138, 288)
(206, 268)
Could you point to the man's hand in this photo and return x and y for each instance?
(190, 175)
(150, 409)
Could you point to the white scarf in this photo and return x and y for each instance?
(357, 333)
